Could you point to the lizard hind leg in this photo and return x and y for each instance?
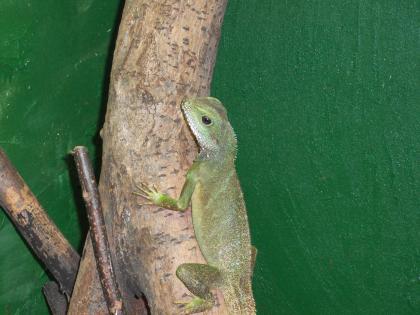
(199, 280)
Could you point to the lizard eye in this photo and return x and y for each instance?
(206, 120)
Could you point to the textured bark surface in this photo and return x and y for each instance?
(57, 301)
(165, 51)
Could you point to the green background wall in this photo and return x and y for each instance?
(53, 57)
(323, 96)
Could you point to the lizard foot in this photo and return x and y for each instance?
(196, 305)
(149, 193)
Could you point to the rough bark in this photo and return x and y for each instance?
(42, 235)
(165, 51)
(55, 299)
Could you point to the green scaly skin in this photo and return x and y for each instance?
(218, 211)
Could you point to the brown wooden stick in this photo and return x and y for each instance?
(98, 231)
(41, 234)
(55, 299)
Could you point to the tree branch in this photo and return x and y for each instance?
(41, 234)
(165, 51)
(55, 299)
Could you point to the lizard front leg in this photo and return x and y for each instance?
(165, 201)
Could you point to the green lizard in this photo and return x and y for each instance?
(218, 211)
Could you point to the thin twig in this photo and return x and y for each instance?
(98, 231)
(32, 222)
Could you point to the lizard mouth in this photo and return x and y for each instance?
(187, 111)
(192, 123)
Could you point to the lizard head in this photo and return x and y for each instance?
(207, 119)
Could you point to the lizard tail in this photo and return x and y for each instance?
(238, 297)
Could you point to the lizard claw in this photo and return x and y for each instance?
(141, 194)
(149, 193)
(184, 295)
(195, 305)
